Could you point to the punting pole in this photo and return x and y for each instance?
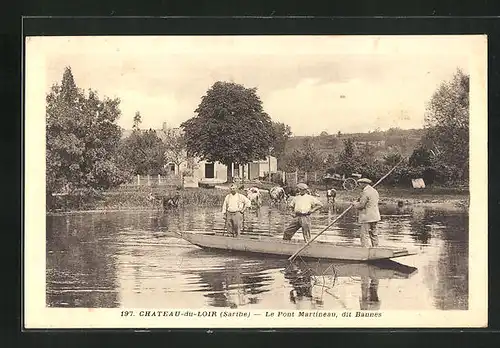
(338, 217)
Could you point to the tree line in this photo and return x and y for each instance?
(86, 151)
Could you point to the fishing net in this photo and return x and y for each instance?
(349, 184)
(305, 276)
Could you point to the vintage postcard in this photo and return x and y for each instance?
(255, 182)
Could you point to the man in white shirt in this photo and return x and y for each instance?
(369, 213)
(233, 208)
(303, 206)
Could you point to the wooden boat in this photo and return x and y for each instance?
(279, 247)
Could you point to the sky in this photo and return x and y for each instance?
(312, 83)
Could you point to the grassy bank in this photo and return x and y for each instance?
(138, 198)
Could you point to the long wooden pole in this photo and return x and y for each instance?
(338, 217)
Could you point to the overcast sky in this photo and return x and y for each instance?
(314, 84)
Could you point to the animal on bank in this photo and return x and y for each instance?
(166, 202)
(277, 195)
(255, 197)
(154, 199)
(171, 201)
(330, 195)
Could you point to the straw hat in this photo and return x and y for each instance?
(302, 186)
(364, 181)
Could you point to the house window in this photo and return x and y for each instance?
(209, 170)
(172, 168)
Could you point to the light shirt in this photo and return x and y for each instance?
(368, 205)
(304, 204)
(233, 203)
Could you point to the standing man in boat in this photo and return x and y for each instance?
(303, 206)
(233, 208)
(369, 214)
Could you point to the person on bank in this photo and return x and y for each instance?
(233, 208)
(369, 214)
(303, 206)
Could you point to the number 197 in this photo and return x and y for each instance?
(127, 313)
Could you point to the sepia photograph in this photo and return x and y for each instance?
(256, 181)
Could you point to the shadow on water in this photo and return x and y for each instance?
(104, 259)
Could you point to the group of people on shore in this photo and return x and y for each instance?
(302, 206)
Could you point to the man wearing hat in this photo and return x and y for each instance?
(303, 206)
(233, 208)
(369, 214)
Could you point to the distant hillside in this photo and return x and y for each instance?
(403, 141)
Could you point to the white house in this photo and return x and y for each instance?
(217, 172)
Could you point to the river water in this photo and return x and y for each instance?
(135, 260)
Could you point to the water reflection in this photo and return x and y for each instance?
(81, 271)
(246, 280)
(303, 279)
(135, 259)
(306, 276)
(369, 294)
(235, 286)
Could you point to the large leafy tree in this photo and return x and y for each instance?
(230, 126)
(143, 153)
(447, 124)
(82, 139)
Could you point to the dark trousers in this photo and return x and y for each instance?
(234, 223)
(297, 222)
(368, 234)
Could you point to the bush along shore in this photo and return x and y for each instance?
(139, 198)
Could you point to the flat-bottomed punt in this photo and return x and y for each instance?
(280, 247)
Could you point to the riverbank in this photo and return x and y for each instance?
(124, 199)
